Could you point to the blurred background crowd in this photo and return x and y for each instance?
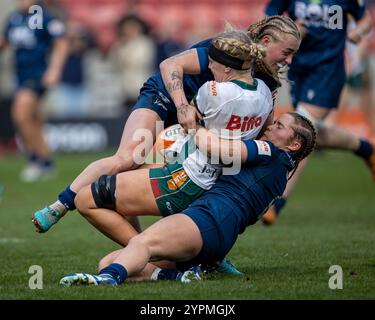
(115, 45)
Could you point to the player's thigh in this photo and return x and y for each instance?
(139, 134)
(25, 105)
(175, 238)
(134, 195)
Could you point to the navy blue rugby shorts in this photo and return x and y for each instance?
(320, 86)
(153, 99)
(219, 227)
(32, 83)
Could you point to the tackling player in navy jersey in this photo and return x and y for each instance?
(317, 73)
(166, 95)
(34, 36)
(208, 229)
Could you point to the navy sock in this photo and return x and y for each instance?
(46, 163)
(116, 271)
(67, 198)
(364, 150)
(32, 157)
(279, 204)
(169, 274)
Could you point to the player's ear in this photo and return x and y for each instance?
(266, 40)
(227, 69)
(294, 145)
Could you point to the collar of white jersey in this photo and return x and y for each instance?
(247, 86)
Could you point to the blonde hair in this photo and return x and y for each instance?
(238, 44)
(276, 27)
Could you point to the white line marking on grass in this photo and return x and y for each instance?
(11, 240)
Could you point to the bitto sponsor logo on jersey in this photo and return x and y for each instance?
(245, 123)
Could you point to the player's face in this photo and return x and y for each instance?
(217, 69)
(280, 53)
(281, 133)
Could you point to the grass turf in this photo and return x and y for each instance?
(330, 220)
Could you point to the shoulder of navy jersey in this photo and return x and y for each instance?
(264, 152)
(202, 50)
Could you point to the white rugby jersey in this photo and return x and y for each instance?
(236, 110)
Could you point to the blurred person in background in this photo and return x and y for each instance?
(34, 36)
(134, 53)
(71, 95)
(317, 74)
(359, 77)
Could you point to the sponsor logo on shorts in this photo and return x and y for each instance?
(178, 179)
(169, 207)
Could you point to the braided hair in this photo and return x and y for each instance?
(305, 133)
(238, 44)
(275, 27)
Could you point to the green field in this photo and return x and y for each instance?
(330, 220)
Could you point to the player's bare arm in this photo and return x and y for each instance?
(172, 71)
(362, 29)
(58, 57)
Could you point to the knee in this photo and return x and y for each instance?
(129, 158)
(19, 116)
(82, 201)
(147, 242)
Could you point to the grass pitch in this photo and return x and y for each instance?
(330, 220)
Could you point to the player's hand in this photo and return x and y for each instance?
(187, 116)
(50, 78)
(355, 36)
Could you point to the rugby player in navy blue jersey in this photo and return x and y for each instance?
(40, 50)
(317, 73)
(209, 227)
(165, 97)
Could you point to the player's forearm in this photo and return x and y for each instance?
(364, 25)
(213, 146)
(172, 74)
(172, 71)
(59, 54)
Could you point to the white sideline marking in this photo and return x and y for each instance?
(11, 240)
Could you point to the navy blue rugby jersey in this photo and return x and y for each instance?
(249, 193)
(32, 45)
(326, 22)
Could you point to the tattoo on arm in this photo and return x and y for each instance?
(176, 82)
